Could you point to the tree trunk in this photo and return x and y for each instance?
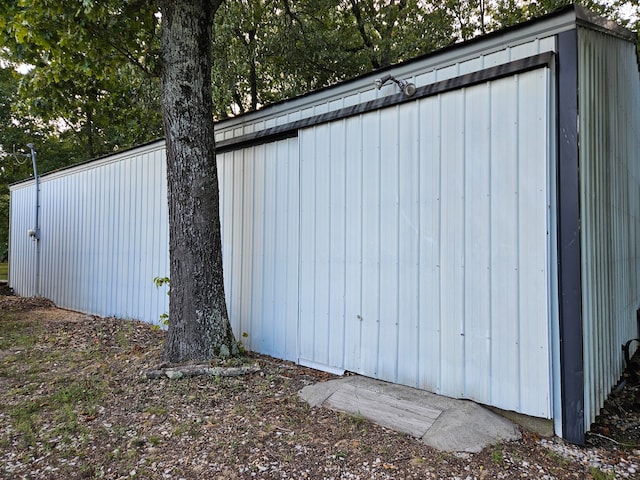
(199, 326)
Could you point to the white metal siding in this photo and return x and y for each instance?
(259, 209)
(22, 249)
(424, 249)
(104, 237)
(609, 108)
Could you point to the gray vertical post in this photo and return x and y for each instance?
(569, 255)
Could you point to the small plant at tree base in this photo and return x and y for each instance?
(159, 282)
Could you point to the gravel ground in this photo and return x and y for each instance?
(73, 404)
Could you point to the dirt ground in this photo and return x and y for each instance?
(73, 404)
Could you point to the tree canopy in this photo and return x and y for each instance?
(93, 68)
(95, 64)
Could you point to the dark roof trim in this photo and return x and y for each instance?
(290, 130)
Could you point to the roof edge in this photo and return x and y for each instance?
(107, 157)
(590, 19)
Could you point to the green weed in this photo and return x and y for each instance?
(123, 335)
(497, 455)
(559, 459)
(358, 421)
(157, 410)
(598, 474)
(26, 418)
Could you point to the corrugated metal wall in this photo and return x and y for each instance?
(609, 106)
(259, 193)
(424, 246)
(104, 236)
(23, 249)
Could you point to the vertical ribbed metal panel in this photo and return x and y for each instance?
(609, 106)
(424, 248)
(259, 205)
(22, 249)
(104, 236)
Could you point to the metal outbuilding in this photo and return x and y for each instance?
(477, 238)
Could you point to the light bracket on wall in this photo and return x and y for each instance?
(406, 87)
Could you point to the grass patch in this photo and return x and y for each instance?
(561, 461)
(4, 271)
(56, 416)
(86, 391)
(598, 474)
(358, 421)
(44, 405)
(62, 408)
(25, 420)
(497, 455)
(123, 336)
(16, 333)
(157, 410)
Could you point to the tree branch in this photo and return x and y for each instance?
(355, 7)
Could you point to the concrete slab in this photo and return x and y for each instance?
(410, 417)
(444, 423)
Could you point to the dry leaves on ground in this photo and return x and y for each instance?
(73, 404)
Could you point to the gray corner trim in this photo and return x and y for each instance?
(569, 254)
(481, 76)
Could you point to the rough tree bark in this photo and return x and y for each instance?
(199, 326)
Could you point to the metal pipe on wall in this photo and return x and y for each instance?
(35, 233)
